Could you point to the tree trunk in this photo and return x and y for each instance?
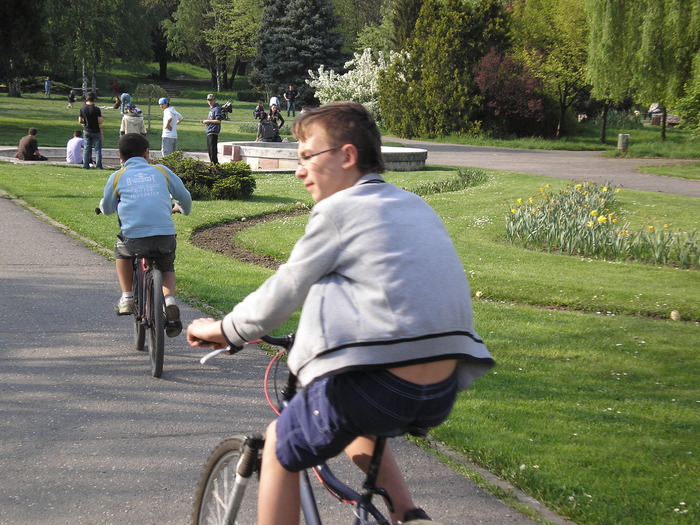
(163, 68)
(604, 122)
(664, 115)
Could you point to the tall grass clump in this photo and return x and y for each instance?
(581, 220)
(466, 178)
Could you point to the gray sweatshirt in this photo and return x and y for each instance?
(381, 286)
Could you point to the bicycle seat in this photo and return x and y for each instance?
(412, 430)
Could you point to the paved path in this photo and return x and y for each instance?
(570, 165)
(88, 437)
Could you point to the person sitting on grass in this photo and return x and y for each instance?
(142, 195)
(386, 336)
(28, 148)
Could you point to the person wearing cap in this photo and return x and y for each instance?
(213, 128)
(171, 118)
(132, 121)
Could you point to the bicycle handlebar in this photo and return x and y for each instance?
(285, 342)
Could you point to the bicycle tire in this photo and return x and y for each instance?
(156, 322)
(215, 492)
(139, 325)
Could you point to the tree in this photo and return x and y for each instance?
(430, 89)
(22, 42)
(551, 37)
(214, 34)
(669, 42)
(303, 38)
(404, 16)
(511, 95)
(355, 16)
(611, 42)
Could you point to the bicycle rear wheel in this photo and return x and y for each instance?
(156, 322)
(139, 310)
(219, 499)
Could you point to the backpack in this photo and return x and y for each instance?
(269, 130)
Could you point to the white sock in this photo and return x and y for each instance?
(169, 300)
(127, 295)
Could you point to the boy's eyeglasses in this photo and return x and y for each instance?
(304, 158)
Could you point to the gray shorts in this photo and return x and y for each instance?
(160, 248)
(168, 145)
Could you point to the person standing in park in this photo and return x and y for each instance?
(91, 119)
(71, 99)
(291, 96)
(213, 128)
(28, 148)
(171, 118)
(74, 148)
(47, 87)
(124, 100)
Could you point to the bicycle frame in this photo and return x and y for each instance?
(147, 287)
(341, 491)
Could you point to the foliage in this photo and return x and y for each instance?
(215, 34)
(296, 36)
(228, 181)
(429, 90)
(404, 15)
(466, 178)
(22, 43)
(580, 220)
(359, 83)
(355, 16)
(688, 106)
(511, 95)
(551, 38)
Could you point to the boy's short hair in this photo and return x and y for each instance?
(346, 123)
(90, 96)
(77, 133)
(32, 131)
(132, 145)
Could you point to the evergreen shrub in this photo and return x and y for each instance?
(228, 181)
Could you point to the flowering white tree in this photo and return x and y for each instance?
(359, 84)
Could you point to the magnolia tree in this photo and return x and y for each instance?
(359, 84)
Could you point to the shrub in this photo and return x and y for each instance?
(231, 180)
(466, 178)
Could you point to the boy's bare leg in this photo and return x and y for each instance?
(168, 284)
(125, 274)
(389, 478)
(278, 497)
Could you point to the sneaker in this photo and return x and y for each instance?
(416, 517)
(173, 325)
(125, 306)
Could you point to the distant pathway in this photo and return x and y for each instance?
(570, 165)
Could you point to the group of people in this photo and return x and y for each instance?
(271, 122)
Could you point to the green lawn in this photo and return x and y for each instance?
(593, 407)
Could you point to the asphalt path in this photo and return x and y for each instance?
(88, 437)
(569, 165)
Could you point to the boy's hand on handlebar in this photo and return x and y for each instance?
(206, 333)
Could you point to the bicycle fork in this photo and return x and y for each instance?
(248, 463)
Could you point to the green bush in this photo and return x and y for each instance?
(231, 180)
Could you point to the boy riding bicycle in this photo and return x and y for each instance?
(386, 336)
(142, 194)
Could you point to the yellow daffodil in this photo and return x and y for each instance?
(518, 200)
(594, 213)
(589, 224)
(602, 219)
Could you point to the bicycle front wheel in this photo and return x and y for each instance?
(219, 499)
(156, 322)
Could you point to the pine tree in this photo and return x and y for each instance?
(296, 36)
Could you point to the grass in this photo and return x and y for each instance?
(683, 171)
(592, 408)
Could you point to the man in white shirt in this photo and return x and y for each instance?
(74, 148)
(171, 118)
